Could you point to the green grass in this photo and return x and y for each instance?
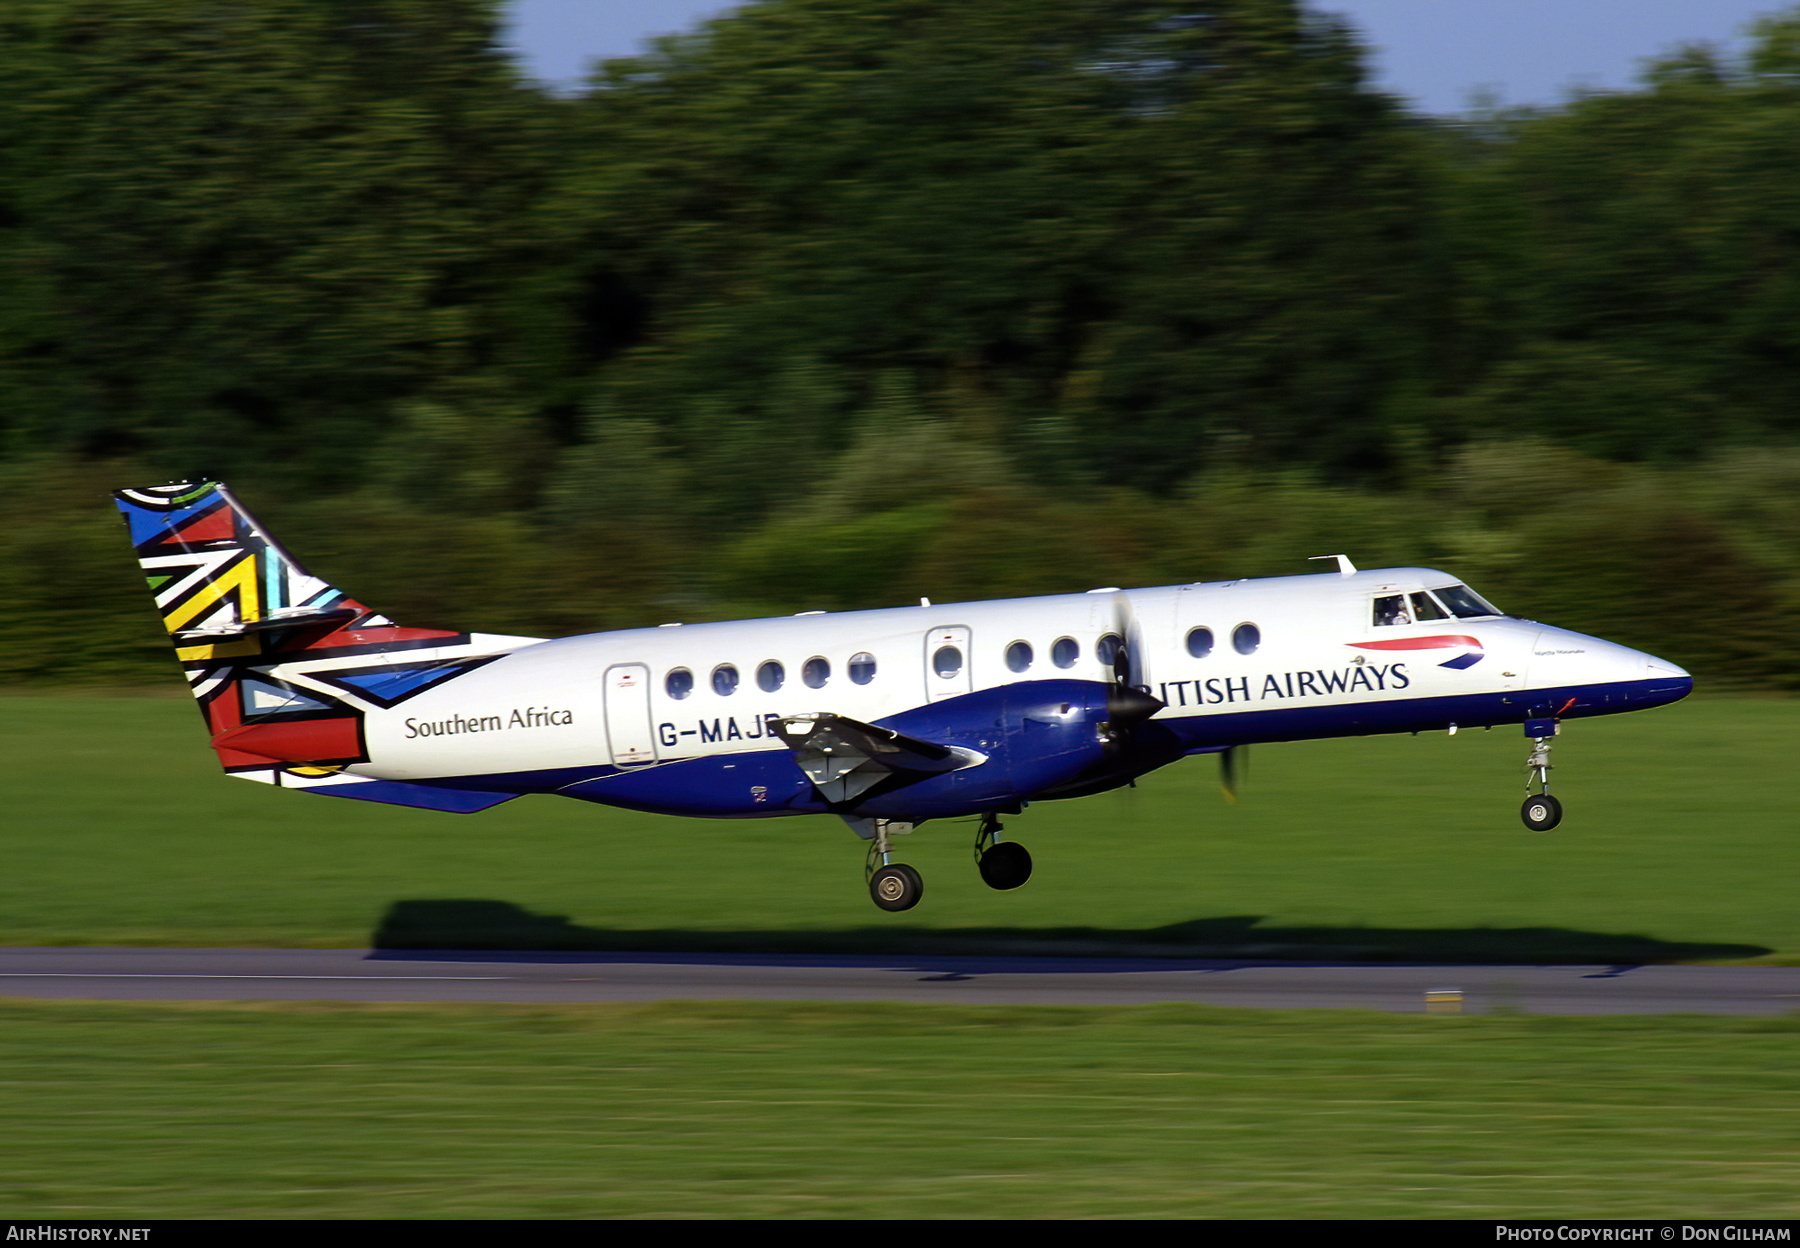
(1681, 841)
(795, 1110)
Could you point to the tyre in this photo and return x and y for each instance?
(1005, 866)
(896, 887)
(1541, 813)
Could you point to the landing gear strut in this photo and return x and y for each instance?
(1004, 865)
(893, 885)
(1541, 812)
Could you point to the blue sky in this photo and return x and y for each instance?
(1434, 51)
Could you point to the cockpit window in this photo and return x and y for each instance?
(1467, 604)
(1392, 609)
(1425, 607)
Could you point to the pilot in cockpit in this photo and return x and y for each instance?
(1392, 610)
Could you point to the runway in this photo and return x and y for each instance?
(362, 975)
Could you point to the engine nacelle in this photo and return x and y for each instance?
(1036, 736)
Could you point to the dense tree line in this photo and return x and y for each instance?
(832, 303)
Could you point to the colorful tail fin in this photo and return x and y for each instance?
(217, 576)
(283, 665)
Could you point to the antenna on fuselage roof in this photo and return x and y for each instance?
(1345, 567)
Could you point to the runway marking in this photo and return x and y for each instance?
(205, 975)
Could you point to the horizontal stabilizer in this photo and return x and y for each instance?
(299, 618)
(844, 757)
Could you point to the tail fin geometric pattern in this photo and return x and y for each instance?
(279, 661)
(214, 571)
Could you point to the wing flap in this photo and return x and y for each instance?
(844, 757)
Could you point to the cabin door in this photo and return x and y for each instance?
(947, 663)
(628, 729)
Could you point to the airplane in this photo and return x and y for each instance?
(885, 718)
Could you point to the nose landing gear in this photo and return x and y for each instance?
(1541, 812)
(1004, 865)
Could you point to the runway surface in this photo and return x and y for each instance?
(362, 975)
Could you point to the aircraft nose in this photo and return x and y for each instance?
(1618, 676)
(1662, 684)
(1560, 657)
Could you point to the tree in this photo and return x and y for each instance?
(239, 233)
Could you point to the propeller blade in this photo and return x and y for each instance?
(1126, 704)
(1126, 671)
(1234, 767)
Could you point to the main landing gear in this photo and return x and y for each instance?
(1541, 812)
(1004, 865)
(893, 885)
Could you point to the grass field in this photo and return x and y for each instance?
(1680, 844)
(1682, 841)
(798, 1110)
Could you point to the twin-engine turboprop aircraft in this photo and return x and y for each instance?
(884, 718)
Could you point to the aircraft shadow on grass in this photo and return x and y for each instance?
(475, 929)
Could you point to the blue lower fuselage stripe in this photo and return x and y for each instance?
(768, 783)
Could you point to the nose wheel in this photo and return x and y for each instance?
(1004, 865)
(1541, 812)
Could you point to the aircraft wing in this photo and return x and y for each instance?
(844, 757)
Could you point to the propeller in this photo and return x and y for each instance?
(1127, 671)
(1126, 704)
(1234, 766)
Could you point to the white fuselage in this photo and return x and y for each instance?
(619, 698)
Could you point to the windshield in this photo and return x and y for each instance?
(1467, 604)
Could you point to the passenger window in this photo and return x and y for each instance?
(816, 672)
(862, 668)
(1392, 610)
(1200, 642)
(1018, 656)
(1426, 608)
(1245, 638)
(770, 676)
(1107, 649)
(679, 683)
(1065, 652)
(947, 662)
(725, 680)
